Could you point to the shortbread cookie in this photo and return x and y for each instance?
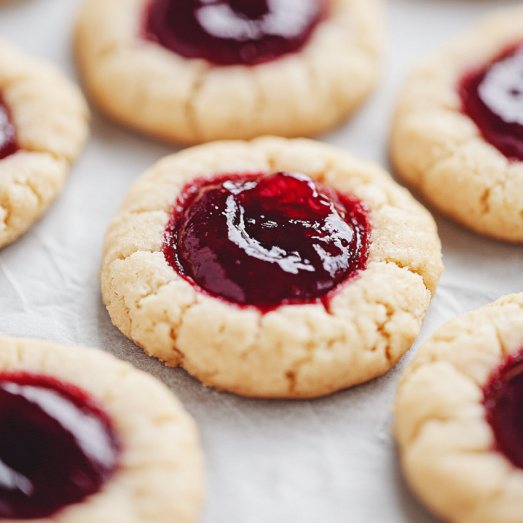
(194, 71)
(272, 268)
(459, 417)
(457, 135)
(86, 438)
(43, 126)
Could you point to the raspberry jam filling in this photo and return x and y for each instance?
(503, 400)
(233, 32)
(8, 143)
(56, 446)
(266, 240)
(492, 97)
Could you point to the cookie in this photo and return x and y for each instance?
(271, 268)
(192, 72)
(43, 126)
(458, 417)
(85, 437)
(457, 132)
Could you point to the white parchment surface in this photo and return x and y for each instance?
(325, 461)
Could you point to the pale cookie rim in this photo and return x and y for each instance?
(440, 423)
(136, 279)
(452, 141)
(197, 89)
(51, 120)
(160, 441)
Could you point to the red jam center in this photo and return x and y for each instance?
(233, 32)
(503, 399)
(56, 446)
(8, 143)
(265, 241)
(493, 97)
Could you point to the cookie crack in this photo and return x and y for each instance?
(292, 374)
(153, 291)
(321, 176)
(420, 425)
(484, 200)
(501, 342)
(53, 154)
(121, 257)
(422, 421)
(381, 328)
(415, 271)
(39, 198)
(109, 48)
(454, 151)
(175, 329)
(6, 84)
(445, 153)
(7, 207)
(7, 214)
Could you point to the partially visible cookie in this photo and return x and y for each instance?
(86, 438)
(457, 135)
(459, 417)
(194, 71)
(43, 126)
(271, 268)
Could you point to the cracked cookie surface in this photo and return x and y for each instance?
(152, 89)
(441, 152)
(50, 119)
(159, 475)
(448, 447)
(293, 350)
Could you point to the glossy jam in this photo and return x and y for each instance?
(233, 32)
(492, 97)
(264, 240)
(56, 446)
(503, 399)
(8, 143)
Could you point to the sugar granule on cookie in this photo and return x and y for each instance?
(272, 268)
(457, 132)
(193, 71)
(459, 422)
(43, 127)
(84, 437)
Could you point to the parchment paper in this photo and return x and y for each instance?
(325, 461)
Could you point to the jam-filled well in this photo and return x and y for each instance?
(8, 143)
(266, 240)
(56, 446)
(503, 399)
(233, 32)
(492, 96)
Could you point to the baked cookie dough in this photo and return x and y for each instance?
(459, 422)
(85, 437)
(43, 126)
(271, 268)
(287, 67)
(457, 133)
